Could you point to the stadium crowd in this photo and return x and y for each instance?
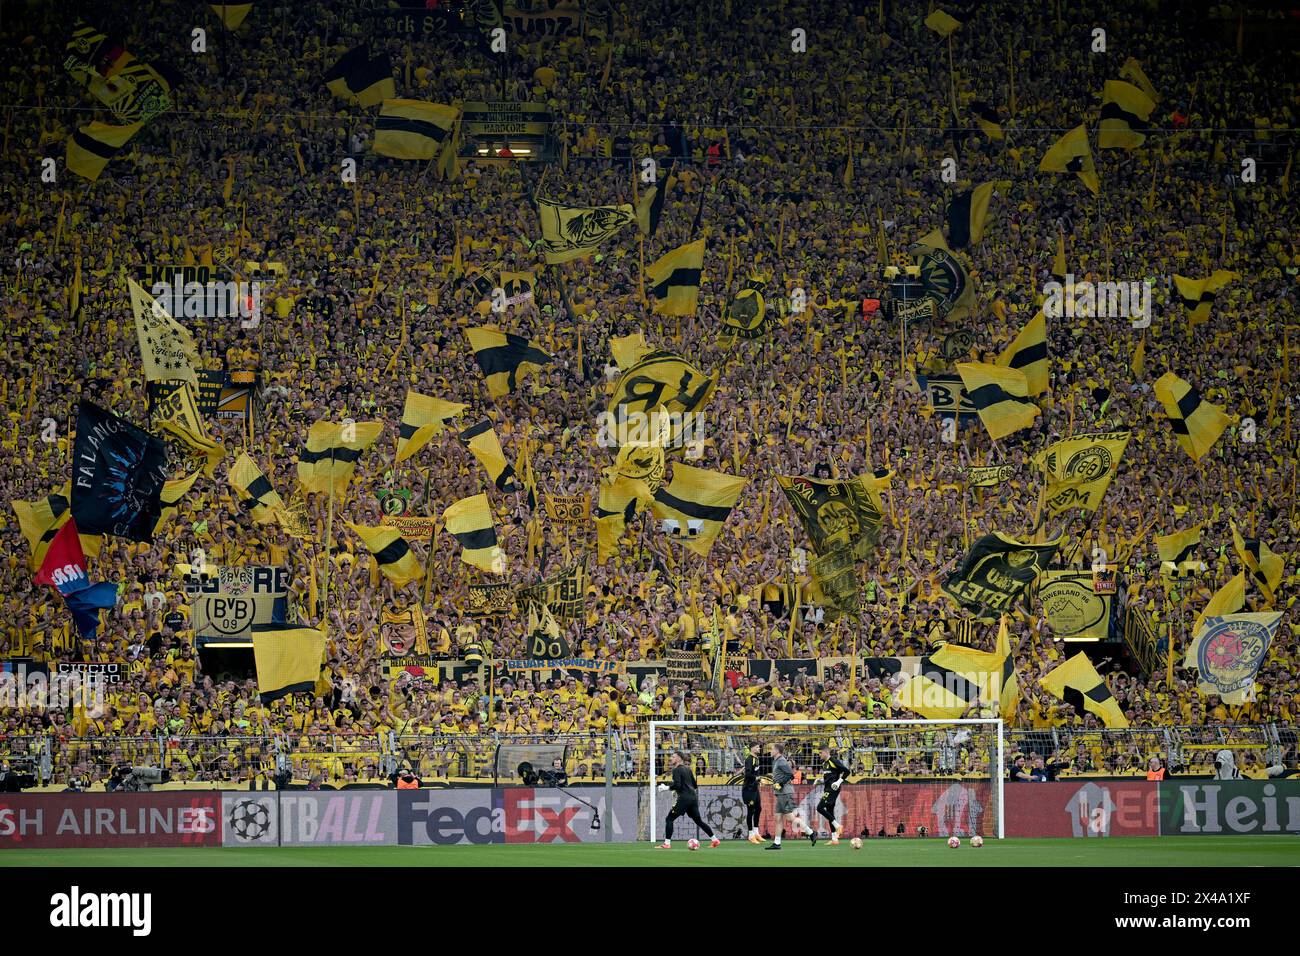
(825, 393)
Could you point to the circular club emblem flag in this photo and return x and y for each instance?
(1230, 652)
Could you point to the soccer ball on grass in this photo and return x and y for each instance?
(693, 843)
(954, 842)
(856, 843)
(977, 841)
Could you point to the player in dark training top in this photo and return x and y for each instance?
(687, 803)
(834, 773)
(749, 793)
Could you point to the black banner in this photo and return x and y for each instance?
(118, 475)
(996, 571)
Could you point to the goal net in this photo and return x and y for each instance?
(907, 778)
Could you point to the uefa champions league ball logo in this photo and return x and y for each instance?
(250, 820)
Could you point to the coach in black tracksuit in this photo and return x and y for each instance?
(687, 803)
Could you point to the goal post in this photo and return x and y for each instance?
(907, 778)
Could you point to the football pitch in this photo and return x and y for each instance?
(1187, 852)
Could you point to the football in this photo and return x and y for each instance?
(977, 841)
(856, 843)
(693, 843)
(954, 842)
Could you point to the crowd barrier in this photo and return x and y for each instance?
(1086, 809)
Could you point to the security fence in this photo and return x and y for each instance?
(623, 756)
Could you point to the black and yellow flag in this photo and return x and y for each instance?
(288, 659)
(330, 458)
(1125, 116)
(695, 504)
(172, 493)
(1179, 548)
(944, 277)
(657, 380)
(482, 441)
(256, 496)
(997, 570)
(505, 358)
(986, 117)
(1197, 424)
(954, 678)
(423, 417)
(619, 499)
(469, 521)
(40, 520)
(675, 279)
(573, 232)
(968, 212)
(1000, 396)
(1229, 599)
(650, 206)
(1077, 683)
(1072, 154)
(232, 15)
(92, 146)
(835, 513)
(1132, 71)
(414, 129)
(359, 78)
(1059, 270)
(1028, 353)
(168, 351)
(178, 415)
(1265, 566)
(1198, 295)
(1079, 470)
(746, 315)
(391, 551)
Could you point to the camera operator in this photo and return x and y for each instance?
(556, 776)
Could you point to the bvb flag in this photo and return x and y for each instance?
(482, 441)
(1028, 353)
(256, 496)
(1071, 154)
(358, 78)
(423, 417)
(997, 570)
(1197, 424)
(1000, 396)
(172, 493)
(1178, 550)
(414, 129)
(118, 473)
(658, 380)
(650, 206)
(231, 14)
(1198, 295)
(180, 417)
(1125, 115)
(288, 659)
(167, 349)
(1265, 566)
(1079, 470)
(392, 553)
(91, 147)
(1227, 652)
(951, 680)
(505, 358)
(696, 503)
(986, 117)
(469, 521)
(968, 212)
(618, 500)
(838, 513)
(1229, 599)
(574, 232)
(675, 279)
(330, 458)
(1077, 682)
(39, 521)
(943, 276)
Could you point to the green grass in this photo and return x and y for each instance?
(1131, 851)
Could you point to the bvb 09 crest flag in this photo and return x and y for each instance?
(996, 571)
(836, 513)
(1228, 651)
(1079, 470)
(118, 475)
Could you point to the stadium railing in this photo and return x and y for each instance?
(442, 759)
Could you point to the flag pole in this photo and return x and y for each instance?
(329, 549)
